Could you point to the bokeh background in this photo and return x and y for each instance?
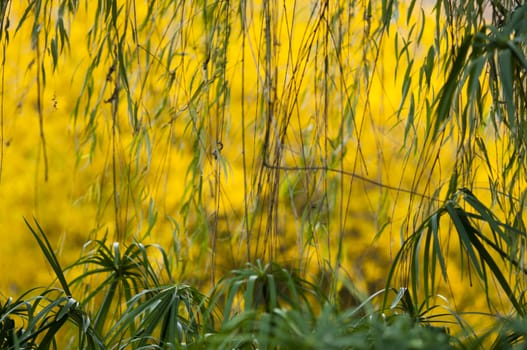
(240, 131)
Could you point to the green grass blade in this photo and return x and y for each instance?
(50, 256)
(464, 235)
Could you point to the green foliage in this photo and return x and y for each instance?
(167, 316)
(161, 82)
(261, 306)
(427, 259)
(264, 287)
(38, 322)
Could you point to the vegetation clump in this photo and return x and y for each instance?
(263, 174)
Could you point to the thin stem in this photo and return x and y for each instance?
(243, 14)
(4, 26)
(39, 108)
(354, 176)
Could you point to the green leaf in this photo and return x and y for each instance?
(463, 229)
(450, 88)
(506, 73)
(51, 258)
